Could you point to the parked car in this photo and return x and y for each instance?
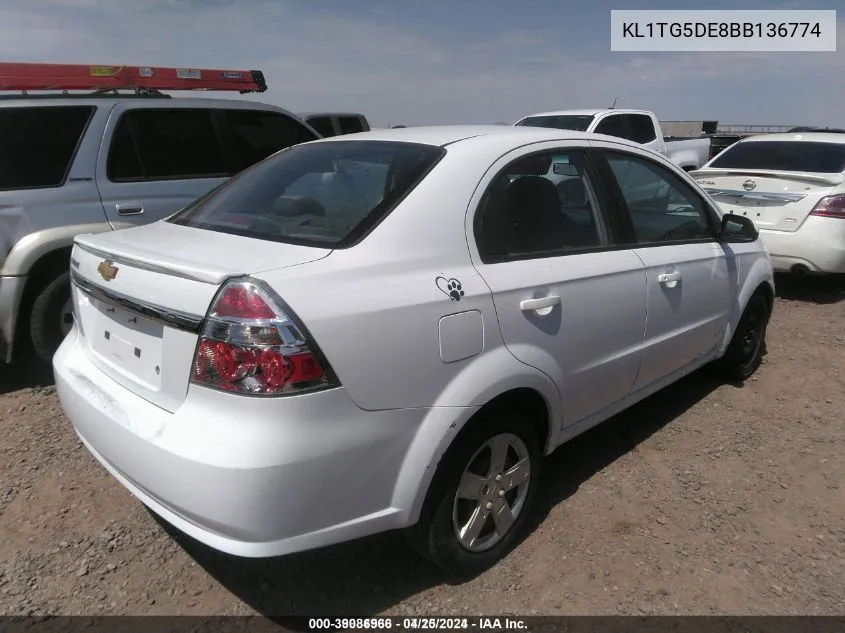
(336, 123)
(640, 126)
(792, 186)
(286, 364)
(105, 162)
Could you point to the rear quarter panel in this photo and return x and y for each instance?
(375, 309)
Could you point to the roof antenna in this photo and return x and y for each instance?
(614, 103)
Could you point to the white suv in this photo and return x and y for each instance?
(390, 329)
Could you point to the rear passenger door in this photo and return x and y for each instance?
(690, 276)
(568, 302)
(154, 161)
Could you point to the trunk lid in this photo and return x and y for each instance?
(140, 296)
(774, 200)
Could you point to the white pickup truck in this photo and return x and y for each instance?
(640, 126)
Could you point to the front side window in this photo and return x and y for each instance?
(540, 205)
(662, 208)
(37, 144)
(165, 144)
(322, 194)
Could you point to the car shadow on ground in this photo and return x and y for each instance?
(370, 575)
(24, 373)
(822, 289)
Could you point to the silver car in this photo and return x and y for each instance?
(391, 329)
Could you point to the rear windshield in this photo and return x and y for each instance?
(565, 122)
(327, 194)
(37, 144)
(824, 158)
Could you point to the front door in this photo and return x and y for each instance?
(690, 276)
(568, 303)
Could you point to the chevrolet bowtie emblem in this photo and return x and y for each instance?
(107, 270)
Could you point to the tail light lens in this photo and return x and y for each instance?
(830, 207)
(251, 345)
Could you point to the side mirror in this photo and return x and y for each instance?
(738, 228)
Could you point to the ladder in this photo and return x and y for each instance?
(142, 79)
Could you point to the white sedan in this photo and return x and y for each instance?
(391, 329)
(793, 187)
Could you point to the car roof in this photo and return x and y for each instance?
(443, 135)
(818, 137)
(591, 112)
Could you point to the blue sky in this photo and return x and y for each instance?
(422, 62)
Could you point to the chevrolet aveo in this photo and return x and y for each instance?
(391, 329)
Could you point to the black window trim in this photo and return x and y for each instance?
(133, 134)
(93, 110)
(366, 226)
(594, 187)
(620, 206)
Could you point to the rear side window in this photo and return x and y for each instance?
(322, 194)
(37, 144)
(824, 158)
(323, 125)
(613, 125)
(641, 128)
(540, 205)
(350, 124)
(258, 134)
(165, 145)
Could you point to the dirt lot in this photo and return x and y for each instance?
(707, 498)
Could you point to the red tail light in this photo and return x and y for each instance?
(251, 345)
(830, 207)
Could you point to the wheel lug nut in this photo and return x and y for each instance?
(489, 505)
(501, 493)
(499, 477)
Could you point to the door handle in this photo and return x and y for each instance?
(131, 208)
(669, 279)
(543, 303)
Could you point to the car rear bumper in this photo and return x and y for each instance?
(252, 477)
(819, 245)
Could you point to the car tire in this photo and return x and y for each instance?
(436, 534)
(748, 345)
(45, 322)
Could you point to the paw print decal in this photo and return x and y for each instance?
(451, 287)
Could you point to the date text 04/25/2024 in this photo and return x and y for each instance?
(417, 624)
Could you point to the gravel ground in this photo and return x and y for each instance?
(706, 498)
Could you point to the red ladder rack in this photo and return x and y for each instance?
(28, 76)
